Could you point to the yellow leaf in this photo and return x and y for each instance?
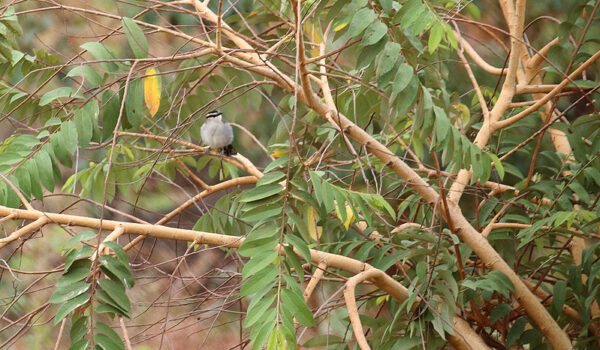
(340, 27)
(314, 36)
(280, 152)
(464, 114)
(349, 216)
(312, 32)
(152, 90)
(314, 52)
(312, 218)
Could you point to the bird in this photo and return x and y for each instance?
(217, 134)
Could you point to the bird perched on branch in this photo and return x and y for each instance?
(217, 133)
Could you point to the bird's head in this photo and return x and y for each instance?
(214, 114)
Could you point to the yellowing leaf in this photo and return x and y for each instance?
(349, 216)
(152, 90)
(314, 36)
(340, 27)
(312, 217)
(464, 114)
(314, 52)
(280, 152)
(312, 32)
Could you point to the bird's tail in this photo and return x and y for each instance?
(229, 150)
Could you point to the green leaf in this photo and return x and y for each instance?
(361, 21)
(262, 212)
(108, 331)
(52, 95)
(580, 191)
(12, 21)
(499, 312)
(256, 311)
(296, 303)
(412, 11)
(24, 180)
(44, 165)
(279, 162)
(293, 261)
(105, 342)
(77, 254)
(109, 308)
(109, 305)
(68, 137)
(79, 270)
(368, 53)
(119, 252)
(406, 99)
(380, 202)
(135, 37)
(498, 165)
(134, 102)
(442, 124)
(323, 340)
(110, 113)
(374, 33)
(387, 5)
(255, 246)
(60, 151)
(502, 281)
(259, 281)
(515, 331)
(261, 192)
(64, 293)
(80, 345)
(16, 57)
(69, 306)
(435, 37)
(118, 269)
(116, 291)
(403, 77)
(558, 296)
(299, 244)
(388, 58)
(258, 262)
(101, 54)
(79, 328)
(84, 123)
(89, 75)
(270, 178)
(259, 335)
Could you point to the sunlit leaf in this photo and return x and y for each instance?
(152, 90)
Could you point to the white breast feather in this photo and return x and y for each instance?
(215, 133)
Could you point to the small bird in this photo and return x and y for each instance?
(217, 133)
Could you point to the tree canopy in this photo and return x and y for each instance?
(409, 174)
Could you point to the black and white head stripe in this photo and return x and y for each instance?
(213, 114)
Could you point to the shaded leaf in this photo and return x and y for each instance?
(118, 269)
(134, 103)
(135, 37)
(374, 33)
(102, 54)
(69, 306)
(64, 293)
(261, 192)
(361, 21)
(58, 93)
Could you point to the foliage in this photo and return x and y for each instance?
(116, 121)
